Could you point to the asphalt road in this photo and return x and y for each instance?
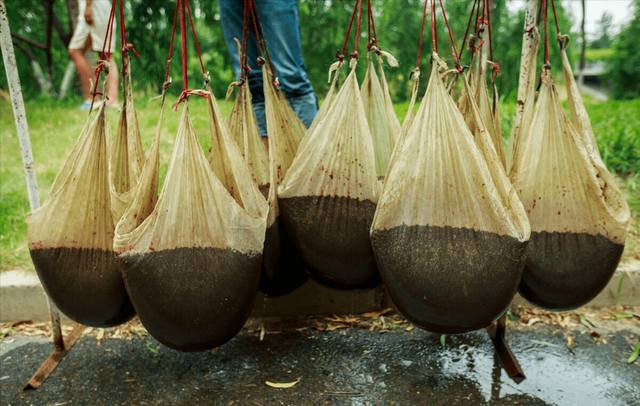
(349, 366)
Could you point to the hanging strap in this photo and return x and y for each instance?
(186, 92)
(340, 54)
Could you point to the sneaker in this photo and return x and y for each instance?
(86, 105)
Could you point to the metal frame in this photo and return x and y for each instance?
(497, 333)
(61, 345)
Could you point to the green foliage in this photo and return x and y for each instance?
(604, 27)
(623, 67)
(616, 125)
(594, 55)
(323, 28)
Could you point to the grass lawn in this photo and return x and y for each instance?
(54, 128)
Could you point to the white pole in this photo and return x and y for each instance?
(20, 115)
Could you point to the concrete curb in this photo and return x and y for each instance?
(22, 298)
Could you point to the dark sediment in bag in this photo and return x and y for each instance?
(459, 266)
(222, 281)
(333, 233)
(449, 232)
(71, 235)
(192, 267)
(329, 194)
(282, 271)
(587, 263)
(85, 284)
(578, 215)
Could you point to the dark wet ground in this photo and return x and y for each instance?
(343, 367)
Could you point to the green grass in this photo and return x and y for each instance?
(54, 128)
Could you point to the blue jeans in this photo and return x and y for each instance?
(281, 28)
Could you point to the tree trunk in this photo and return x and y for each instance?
(49, 12)
(73, 9)
(46, 87)
(66, 80)
(584, 49)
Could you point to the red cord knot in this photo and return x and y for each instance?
(339, 56)
(261, 61)
(207, 78)
(495, 68)
(354, 55)
(190, 92)
(129, 47)
(478, 47)
(166, 84)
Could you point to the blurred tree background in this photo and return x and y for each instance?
(323, 25)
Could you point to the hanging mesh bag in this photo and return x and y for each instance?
(282, 270)
(449, 233)
(244, 129)
(192, 266)
(578, 215)
(127, 154)
(71, 236)
(373, 100)
(329, 195)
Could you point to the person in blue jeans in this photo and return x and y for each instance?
(281, 28)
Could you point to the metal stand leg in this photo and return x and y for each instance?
(497, 333)
(61, 346)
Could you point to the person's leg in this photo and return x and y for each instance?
(84, 70)
(99, 28)
(231, 16)
(79, 43)
(282, 31)
(112, 84)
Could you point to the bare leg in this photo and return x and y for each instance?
(112, 83)
(84, 69)
(265, 142)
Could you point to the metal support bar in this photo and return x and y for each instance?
(20, 116)
(54, 359)
(497, 333)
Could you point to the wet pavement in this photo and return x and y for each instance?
(347, 366)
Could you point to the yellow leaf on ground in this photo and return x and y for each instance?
(282, 385)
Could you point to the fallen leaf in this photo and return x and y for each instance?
(376, 314)
(544, 343)
(569, 341)
(100, 336)
(634, 354)
(533, 321)
(409, 328)
(335, 327)
(262, 333)
(285, 385)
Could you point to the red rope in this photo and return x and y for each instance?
(424, 17)
(185, 95)
(173, 33)
(464, 39)
(262, 38)
(104, 56)
(373, 26)
(346, 38)
(355, 51)
(555, 16)
(489, 29)
(183, 37)
(434, 30)
(244, 67)
(546, 34)
(195, 38)
(453, 43)
(255, 27)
